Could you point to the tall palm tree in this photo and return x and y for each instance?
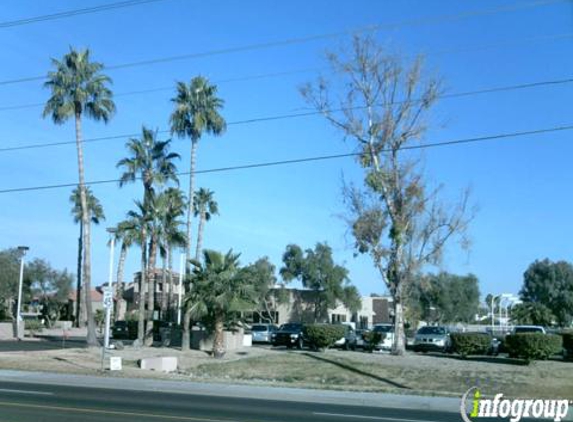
(139, 220)
(79, 88)
(126, 234)
(205, 207)
(172, 204)
(218, 291)
(96, 215)
(150, 161)
(196, 112)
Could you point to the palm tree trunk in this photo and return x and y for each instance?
(142, 286)
(200, 235)
(187, 316)
(119, 284)
(218, 340)
(91, 334)
(164, 288)
(170, 280)
(151, 289)
(79, 320)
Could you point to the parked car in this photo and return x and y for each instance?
(289, 335)
(518, 329)
(356, 340)
(349, 334)
(432, 338)
(120, 330)
(262, 332)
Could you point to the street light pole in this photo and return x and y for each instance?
(23, 250)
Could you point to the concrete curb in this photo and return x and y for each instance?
(396, 401)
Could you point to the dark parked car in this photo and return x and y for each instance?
(289, 335)
(121, 331)
(356, 340)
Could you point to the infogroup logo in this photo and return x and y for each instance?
(514, 409)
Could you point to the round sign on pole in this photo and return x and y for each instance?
(107, 299)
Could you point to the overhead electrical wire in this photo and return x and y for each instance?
(536, 84)
(311, 38)
(313, 159)
(74, 12)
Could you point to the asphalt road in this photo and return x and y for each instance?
(25, 402)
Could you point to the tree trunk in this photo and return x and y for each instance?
(399, 346)
(185, 336)
(91, 334)
(218, 340)
(164, 288)
(79, 320)
(200, 230)
(119, 283)
(170, 280)
(187, 319)
(142, 286)
(151, 289)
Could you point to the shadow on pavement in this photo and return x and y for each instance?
(501, 360)
(356, 371)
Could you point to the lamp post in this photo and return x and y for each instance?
(22, 250)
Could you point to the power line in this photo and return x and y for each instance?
(313, 159)
(74, 12)
(499, 44)
(311, 38)
(301, 114)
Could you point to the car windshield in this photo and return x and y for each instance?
(259, 328)
(383, 328)
(290, 327)
(432, 330)
(528, 330)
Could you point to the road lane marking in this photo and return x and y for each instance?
(114, 412)
(36, 393)
(377, 418)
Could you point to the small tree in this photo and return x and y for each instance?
(396, 218)
(317, 271)
(219, 293)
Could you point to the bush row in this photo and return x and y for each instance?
(533, 346)
(467, 344)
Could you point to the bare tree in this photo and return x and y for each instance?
(395, 218)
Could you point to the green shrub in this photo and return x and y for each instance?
(467, 344)
(322, 336)
(372, 339)
(533, 346)
(568, 343)
(33, 325)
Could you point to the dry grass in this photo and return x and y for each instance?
(334, 369)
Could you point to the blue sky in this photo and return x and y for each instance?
(522, 186)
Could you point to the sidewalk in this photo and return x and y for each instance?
(445, 404)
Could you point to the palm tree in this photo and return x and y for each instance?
(196, 112)
(139, 220)
(79, 88)
(205, 207)
(150, 161)
(96, 215)
(172, 204)
(218, 292)
(127, 235)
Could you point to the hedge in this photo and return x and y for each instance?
(373, 338)
(533, 346)
(467, 344)
(568, 343)
(322, 336)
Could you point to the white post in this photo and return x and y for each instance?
(180, 293)
(500, 313)
(19, 333)
(492, 314)
(110, 289)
